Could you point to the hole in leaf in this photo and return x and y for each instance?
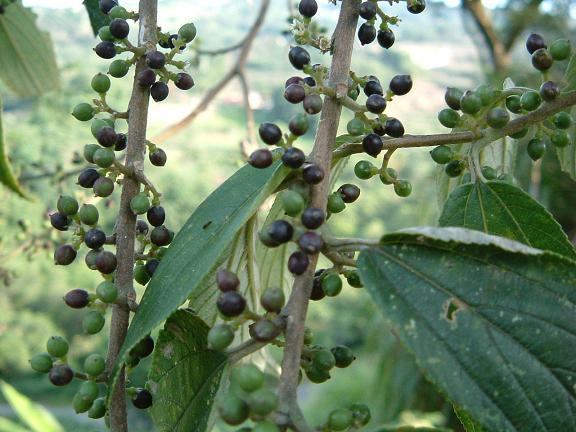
(451, 308)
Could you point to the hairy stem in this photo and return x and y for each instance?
(126, 225)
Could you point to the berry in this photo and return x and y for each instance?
(64, 255)
(187, 32)
(118, 12)
(294, 80)
(520, 134)
(542, 60)
(497, 118)
(402, 188)
(294, 93)
(104, 157)
(366, 33)
(394, 128)
(146, 78)
(324, 360)
(486, 93)
(317, 292)
(470, 103)
(343, 356)
(372, 144)
(308, 8)
(298, 263)
(98, 409)
(59, 221)
(83, 112)
(535, 42)
(105, 35)
(349, 192)
(560, 138)
(161, 236)
(105, 50)
(220, 337)
(416, 6)
(141, 275)
(107, 292)
(67, 205)
(513, 104)
(376, 104)
(106, 137)
(118, 68)
(95, 238)
(454, 168)
(263, 402)
(77, 298)
(331, 284)
(489, 173)
(231, 304)
(272, 299)
(442, 154)
(386, 38)
(340, 419)
(103, 187)
(298, 57)
(312, 174)
(452, 97)
(261, 158)
(184, 81)
(227, 281)
(94, 365)
(143, 348)
(316, 375)
(119, 28)
(142, 399)
(233, 410)
(335, 203)
(156, 215)
(41, 363)
(270, 133)
(106, 262)
(448, 118)
(93, 322)
(355, 127)
(141, 227)
(401, 84)
(81, 404)
(140, 203)
(158, 157)
(313, 217)
(155, 60)
(264, 330)
(530, 100)
(293, 158)
(373, 87)
(106, 5)
(560, 49)
(310, 242)
(353, 278)
(89, 150)
(60, 375)
(299, 124)
(361, 414)
(292, 202)
(367, 10)
(151, 266)
(281, 231)
(549, 91)
(159, 91)
(312, 104)
(364, 170)
(57, 346)
(248, 377)
(90, 259)
(562, 120)
(88, 177)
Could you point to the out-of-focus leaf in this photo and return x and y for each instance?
(98, 19)
(7, 176)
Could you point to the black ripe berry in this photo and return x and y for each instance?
(366, 33)
(60, 375)
(156, 215)
(106, 136)
(88, 177)
(106, 50)
(293, 158)
(151, 266)
(77, 298)
(155, 60)
(121, 142)
(349, 192)
(64, 255)
(401, 84)
(308, 8)
(310, 242)
(372, 144)
(119, 28)
(294, 80)
(394, 128)
(298, 57)
(141, 227)
(385, 38)
(184, 81)
(146, 78)
(312, 174)
(159, 91)
(142, 399)
(416, 6)
(261, 158)
(368, 10)
(309, 81)
(542, 60)
(95, 238)
(313, 217)
(106, 262)
(270, 133)
(227, 281)
(373, 87)
(231, 304)
(549, 91)
(294, 93)
(298, 263)
(280, 231)
(535, 42)
(376, 104)
(452, 97)
(59, 221)
(158, 157)
(106, 5)
(143, 348)
(161, 236)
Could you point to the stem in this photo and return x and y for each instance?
(126, 227)
(297, 306)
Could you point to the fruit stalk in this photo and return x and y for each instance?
(126, 226)
(343, 41)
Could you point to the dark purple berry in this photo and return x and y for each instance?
(349, 192)
(549, 91)
(261, 158)
(151, 266)
(310, 242)
(95, 238)
(59, 221)
(158, 157)
(542, 60)
(231, 304)
(372, 144)
(155, 60)
(106, 136)
(366, 33)
(60, 375)
(270, 133)
(77, 298)
(184, 81)
(146, 78)
(401, 84)
(106, 262)
(373, 87)
(106, 5)
(309, 81)
(105, 50)
(293, 158)
(298, 263)
(227, 281)
(535, 42)
(141, 227)
(376, 104)
(312, 104)
(159, 91)
(368, 10)
(386, 38)
(156, 215)
(294, 80)
(281, 231)
(394, 128)
(313, 217)
(161, 236)
(64, 255)
(121, 142)
(142, 399)
(294, 93)
(317, 292)
(264, 330)
(308, 8)
(313, 174)
(298, 57)
(416, 6)
(119, 28)
(143, 348)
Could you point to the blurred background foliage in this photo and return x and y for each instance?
(452, 44)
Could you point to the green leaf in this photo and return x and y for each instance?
(28, 65)
(410, 429)
(199, 247)
(7, 177)
(98, 19)
(35, 416)
(467, 421)
(504, 210)
(7, 425)
(185, 375)
(489, 320)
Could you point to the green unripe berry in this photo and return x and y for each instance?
(80, 403)
(448, 118)
(94, 365)
(93, 322)
(355, 127)
(140, 204)
(530, 100)
(402, 188)
(103, 187)
(67, 205)
(308, 336)
(233, 410)
(118, 12)
(470, 103)
(88, 214)
(340, 419)
(508, 178)
(497, 118)
(299, 124)
(141, 275)
(98, 409)
(100, 83)
(265, 426)
(187, 32)
(57, 346)
(520, 134)
(361, 414)
(220, 337)
(513, 104)
(562, 120)
(273, 299)
(317, 375)
(455, 168)
(324, 359)
(442, 154)
(89, 390)
(335, 203)
(353, 278)
(89, 150)
(489, 173)
(41, 363)
(560, 49)
(83, 112)
(105, 35)
(292, 202)
(536, 148)
(559, 138)
(263, 402)
(389, 176)
(118, 68)
(248, 377)
(331, 284)
(364, 170)
(343, 356)
(486, 93)
(104, 157)
(107, 292)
